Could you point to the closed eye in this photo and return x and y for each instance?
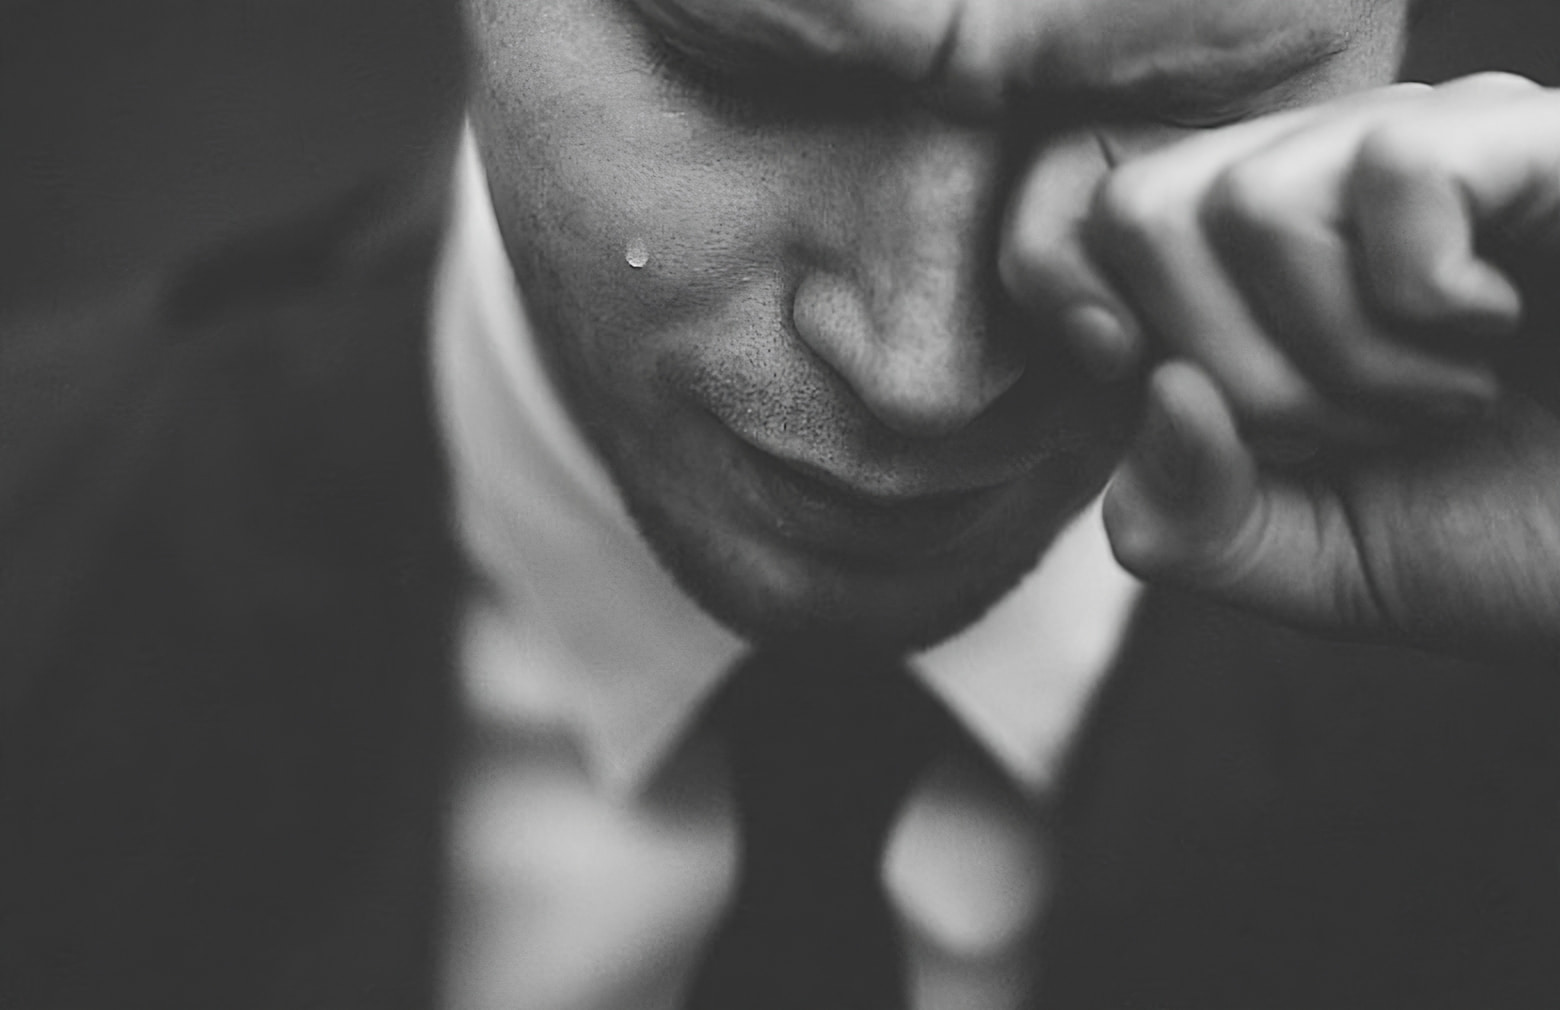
(766, 90)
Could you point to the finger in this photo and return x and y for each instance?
(1043, 259)
(1146, 228)
(1043, 265)
(1301, 279)
(1183, 492)
(1190, 507)
(1431, 194)
(1253, 282)
(1417, 238)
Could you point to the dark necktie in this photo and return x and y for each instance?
(823, 751)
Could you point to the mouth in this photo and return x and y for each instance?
(877, 518)
(809, 471)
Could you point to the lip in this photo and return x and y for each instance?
(888, 493)
(887, 520)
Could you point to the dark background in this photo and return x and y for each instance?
(133, 132)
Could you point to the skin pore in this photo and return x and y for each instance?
(817, 399)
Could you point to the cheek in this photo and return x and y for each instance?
(645, 214)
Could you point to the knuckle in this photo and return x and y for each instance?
(1136, 210)
(1393, 153)
(1016, 264)
(1495, 80)
(1036, 269)
(1029, 253)
(1249, 206)
(1247, 192)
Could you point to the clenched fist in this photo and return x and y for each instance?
(1360, 278)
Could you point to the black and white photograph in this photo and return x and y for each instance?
(780, 505)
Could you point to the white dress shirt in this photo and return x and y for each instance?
(593, 838)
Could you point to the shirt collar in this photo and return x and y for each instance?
(601, 641)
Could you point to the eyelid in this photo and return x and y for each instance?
(1210, 118)
(1237, 93)
(724, 89)
(694, 52)
(759, 86)
(1192, 107)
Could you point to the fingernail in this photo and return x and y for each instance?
(1103, 346)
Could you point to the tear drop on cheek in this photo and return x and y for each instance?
(637, 255)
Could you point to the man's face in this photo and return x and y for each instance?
(758, 239)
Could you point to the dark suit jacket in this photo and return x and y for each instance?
(226, 599)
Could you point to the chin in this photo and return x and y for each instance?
(769, 595)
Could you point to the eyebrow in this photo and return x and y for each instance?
(723, 45)
(1207, 79)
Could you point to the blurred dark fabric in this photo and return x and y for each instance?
(133, 134)
(1457, 37)
(225, 609)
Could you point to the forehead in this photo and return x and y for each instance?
(995, 46)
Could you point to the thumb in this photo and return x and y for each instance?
(1189, 506)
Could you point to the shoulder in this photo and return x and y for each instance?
(225, 585)
(1247, 795)
(268, 365)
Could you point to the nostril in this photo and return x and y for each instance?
(925, 367)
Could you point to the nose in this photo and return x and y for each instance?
(904, 307)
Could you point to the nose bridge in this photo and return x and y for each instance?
(925, 240)
(919, 348)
